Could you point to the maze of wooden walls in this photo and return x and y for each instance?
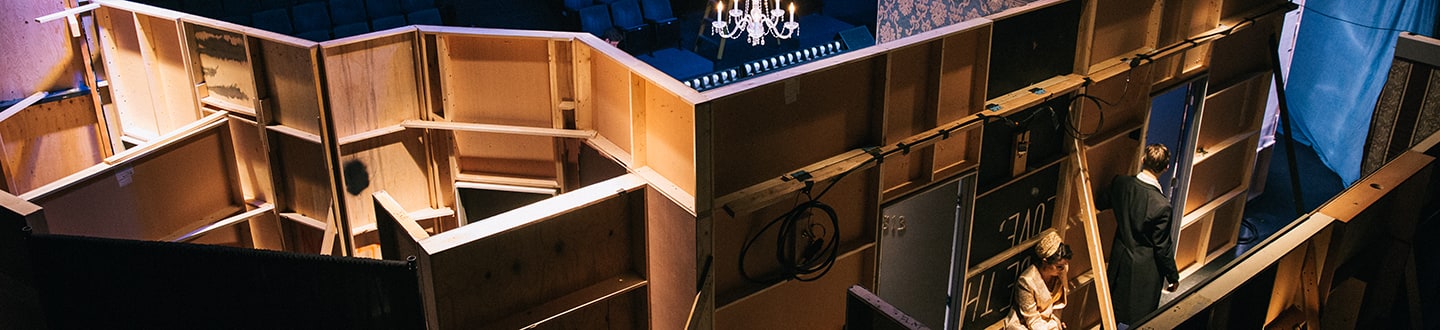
(367, 145)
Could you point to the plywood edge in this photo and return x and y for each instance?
(501, 129)
(1020, 10)
(19, 206)
(611, 150)
(605, 289)
(22, 104)
(667, 188)
(304, 220)
(333, 43)
(1428, 145)
(143, 9)
(204, 124)
(1001, 257)
(1356, 199)
(1250, 265)
(222, 104)
(1024, 98)
(492, 32)
(468, 178)
(505, 187)
(758, 196)
(402, 217)
(223, 223)
(533, 213)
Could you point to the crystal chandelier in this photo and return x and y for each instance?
(755, 21)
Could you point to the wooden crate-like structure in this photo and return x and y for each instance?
(321, 147)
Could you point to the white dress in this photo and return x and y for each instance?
(1034, 306)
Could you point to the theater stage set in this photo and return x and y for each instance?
(401, 165)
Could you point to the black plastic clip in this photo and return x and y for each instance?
(875, 154)
(904, 148)
(1087, 82)
(944, 134)
(802, 175)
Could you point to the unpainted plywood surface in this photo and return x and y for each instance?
(909, 109)
(392, 163)
(1121, 27)
(292, 92)
(48, 141)
(962, 79)
(492, 278)
(1233, 111)
(372, 84)
(670, 230)
(493, 80)
(177, 189)
(174, 97)
(611, 100)
(302, 179)
(773, 129)
(801, 305)
(129, 79)
(50, 61)
(510, 155)
(670, 137)
(252, 161)
(225, 65)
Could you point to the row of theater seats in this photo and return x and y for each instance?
(314, 20)
(645, 24)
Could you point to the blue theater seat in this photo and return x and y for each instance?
(352, 29)
(595, 20)
(411, 6)
(385, 23)
(318, 35)
(382, 8)
(425, 17)
(311, 16)
(626, 16)
(274, 20)
(662, 20)
(344, 12)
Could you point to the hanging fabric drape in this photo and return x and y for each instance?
(1341, 58)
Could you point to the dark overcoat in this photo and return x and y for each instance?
(1141, 257)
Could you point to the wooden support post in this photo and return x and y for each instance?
(1092, 235)
(1310, 286)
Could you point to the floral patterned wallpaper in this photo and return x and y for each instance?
(903, 18)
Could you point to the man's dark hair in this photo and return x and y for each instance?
(1062, 253)
(1157, 158)
(613, 34)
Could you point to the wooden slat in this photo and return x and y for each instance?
(203, 124)
(1094, 243)
(304, 220)
(292, 132)
(24, 103)
(371, 134)
(572, 302)
(223, 223)
(502, 129)
(509, 181)
(755, 197)
(532, 213)
(1375, 186)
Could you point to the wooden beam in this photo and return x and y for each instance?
(401, 216)
(304, 220)
(1370, 189)
(1033, 95)
(1094, 243)
(24, 103)
(227, 222)
(67, 13)
(204, 124)
(533, 213)
(371, 134)
(758, 196)
(502, 129)
(295, 133)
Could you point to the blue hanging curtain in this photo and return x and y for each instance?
(1341, 59)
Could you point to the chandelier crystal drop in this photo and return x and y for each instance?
(755, 20)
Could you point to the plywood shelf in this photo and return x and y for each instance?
(1234, 141)
(295, 133)
(1209, 207)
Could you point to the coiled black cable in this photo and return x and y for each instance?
(818, 255)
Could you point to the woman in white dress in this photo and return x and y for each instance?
(1040, 289)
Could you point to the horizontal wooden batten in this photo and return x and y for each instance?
(304, 220)
(227, 222)
(371, 134)
(529, 214)
(295, 133)
(1026, 98)
(574, 301)
(502, 129)
(506, 181)
(125, 158)
(203, 124)
(1210, 206)
(503, 187)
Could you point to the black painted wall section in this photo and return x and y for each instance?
(1032, 47)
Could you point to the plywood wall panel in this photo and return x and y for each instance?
(128, 77)
(1219, 173)
(171, 88)
(490, 279)
(670, 137)
(910, 108)
(252, 161)
(610, 101)
(1121, 28)
(48, 141)
(372, 84)
(800, 305)
(503, 81)
(771, 130)
(392, 163)
(164, 194)
(1234, 111)
(292, 91)
(506, 155)
(50, 61)
(303, 178)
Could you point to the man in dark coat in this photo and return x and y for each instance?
(1142, 254)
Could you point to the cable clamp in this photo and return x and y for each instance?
(804, 176)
